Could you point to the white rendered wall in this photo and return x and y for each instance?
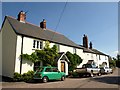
(103, 58)
(66, 48)
(27, 66)
(27, 49)
(18, 53)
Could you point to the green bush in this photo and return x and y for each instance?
(24, 77)
(27, 76)
(17, 77)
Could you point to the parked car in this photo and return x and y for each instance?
(48, 73)
(108, 70)
(88, 69)
(105, 70)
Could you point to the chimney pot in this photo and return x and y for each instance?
(21, 16)
(85, 41)
(90, 45)
(43, 24)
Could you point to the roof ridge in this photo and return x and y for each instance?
(36, 25)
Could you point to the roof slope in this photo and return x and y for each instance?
(95, 51)
(37, 32)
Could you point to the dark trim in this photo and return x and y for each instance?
(21, 56)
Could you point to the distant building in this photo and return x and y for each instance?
(20, 37)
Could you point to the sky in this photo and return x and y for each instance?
(98, 20)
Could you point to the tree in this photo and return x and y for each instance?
(75, 60)
(118, 61)
(112, 62)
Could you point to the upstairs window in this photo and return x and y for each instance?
(41, 45)
(74, 50)
(99, 57)
(37, 44)
(58, 47)
(34, 42)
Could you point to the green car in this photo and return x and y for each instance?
(48, 73)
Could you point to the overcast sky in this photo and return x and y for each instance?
(98, 20)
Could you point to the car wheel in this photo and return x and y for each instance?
(99, 74)
(45, 79)
(62, 78)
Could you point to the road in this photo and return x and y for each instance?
(104, 81)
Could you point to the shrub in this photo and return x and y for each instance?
(27, 76)
(17, 77)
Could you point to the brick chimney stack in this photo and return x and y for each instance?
(90, 45)
(85, 41)
(43, 24)
(21, 16)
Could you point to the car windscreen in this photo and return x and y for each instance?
(39, 69)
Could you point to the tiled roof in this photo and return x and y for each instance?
(31, 30)
(95, 51)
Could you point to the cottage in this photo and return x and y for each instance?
(20, 37)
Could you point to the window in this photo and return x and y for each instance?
(92, 56)
(99, 57)
(41, 45)
(58, 47)
(54, 69)
(48, 70)
(37, 44)
(105, 57)
(74, 50)
(34, 41)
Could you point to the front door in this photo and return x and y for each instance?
(62, 66)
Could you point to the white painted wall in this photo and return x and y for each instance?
(64, 48)
(27, 48)
(102, 59)
(18, 53)
(27, 66)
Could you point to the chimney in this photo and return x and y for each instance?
(21, 16)
(43, 24)
(90, 45)
(85, 41)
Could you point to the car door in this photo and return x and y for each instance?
(48, 73)
(56, 73)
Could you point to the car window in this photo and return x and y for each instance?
(106, 67)
(54, 69)
(48, 70)
(39, 69)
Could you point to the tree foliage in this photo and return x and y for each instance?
(112, 62)
(75, 60)
(118, 61)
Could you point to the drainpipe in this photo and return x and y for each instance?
(21, 56)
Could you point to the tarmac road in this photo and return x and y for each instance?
(104, 81)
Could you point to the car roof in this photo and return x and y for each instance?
(47, 67)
